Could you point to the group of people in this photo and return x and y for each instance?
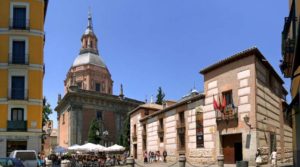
(273, 158)
(87, 160)
(150, 157)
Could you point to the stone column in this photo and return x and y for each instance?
(181, 161)
(74, 124)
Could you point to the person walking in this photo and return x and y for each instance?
(165, 155)
(273, 158)
(145, 157)
(258, 158)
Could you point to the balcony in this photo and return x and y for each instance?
(16, 125)
(18, 94)
(19, 24)
(19, 60)
(180, 127)
(160, 131)
(180, 124)
(229, 115)
(288, 43)
(134, 137)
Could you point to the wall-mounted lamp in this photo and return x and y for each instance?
(247, 119)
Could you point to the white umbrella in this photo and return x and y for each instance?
(115, 148)
(100, 148)
(74, 147)
(88, 147)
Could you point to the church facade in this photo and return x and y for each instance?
(89, 96)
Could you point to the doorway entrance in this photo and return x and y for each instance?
(232, 148)
(135, 151)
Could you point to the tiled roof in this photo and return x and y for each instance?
(248, 52)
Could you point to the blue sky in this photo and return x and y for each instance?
(152, 43)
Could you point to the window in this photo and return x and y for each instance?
(63, 118)
(18, 87)
(19, 17)
(18, 52)
(146, 112)
(228, 98)
(144, 144)
(161, 124)
(79, 84)
(181, 117)
(272, 141)
(98, 87)
(181, 141)
(99, 115)
(17, 114)
(199, 130)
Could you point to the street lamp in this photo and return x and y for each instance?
(105, 134)
(247, 119)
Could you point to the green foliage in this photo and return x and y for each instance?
(124, 138)
(46, 111)
(160, 96)
(94, 135)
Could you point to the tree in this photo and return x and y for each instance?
(125, 136)
(160, 96)
(94, 135)
(46, 112)
(45, 117)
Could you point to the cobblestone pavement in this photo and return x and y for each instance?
(175, 164)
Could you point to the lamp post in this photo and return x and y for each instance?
(105, 135)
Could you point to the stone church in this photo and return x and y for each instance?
(89, 95)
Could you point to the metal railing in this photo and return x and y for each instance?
(180, 124)
(18, 94)
(134, 137)
(288, 42)
(21, 60)
(19, 24)
(17, 125)
(228, 114)
(160, 128)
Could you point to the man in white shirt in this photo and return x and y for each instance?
(273, 158)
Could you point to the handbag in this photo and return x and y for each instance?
(258, 159)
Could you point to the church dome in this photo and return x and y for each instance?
(88, 58)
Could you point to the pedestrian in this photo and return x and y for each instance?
(258, 158)
(150, 156)
(145, 157)
(273, 158)
(165, 155)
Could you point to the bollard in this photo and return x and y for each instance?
(48, 163)
(181, 161)
(130, 161)
(65, 163)
(220, 160)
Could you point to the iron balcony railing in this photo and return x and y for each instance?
(21, 60)
(229, 113)
(134, 137)
(160, 128)
(180, 124)
(19, 24)
(288, 42)
(18, 94)
(17, 125)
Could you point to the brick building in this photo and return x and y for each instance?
(252, 116)
(88, 95)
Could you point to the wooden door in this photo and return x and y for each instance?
(232, 148)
